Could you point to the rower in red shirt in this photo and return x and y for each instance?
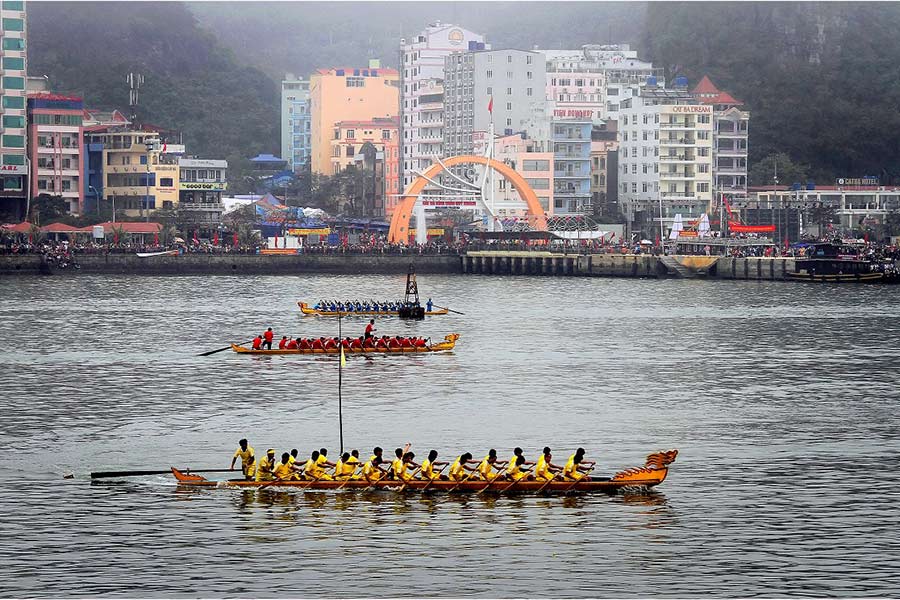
(394, 342)
(420, 342)
(283, 343)
(345, 343)
(304, 344)
(369, 342)
(357, 343)
(383, 342)
(330, 343)
(319, 344)
(257, 342)
(405, 343)
(292, 345)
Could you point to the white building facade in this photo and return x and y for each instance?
(13, 136)
(422, 62)
(295, 122)
(665, 157)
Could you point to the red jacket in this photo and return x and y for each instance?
(257, 343)
(292, 345)
(268, 335)
(304, 345)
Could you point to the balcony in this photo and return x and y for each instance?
(676, 159)
(679, 141)
(677, 176)
(572, 174)
(731, 151)
(676, 126)
(213, 207)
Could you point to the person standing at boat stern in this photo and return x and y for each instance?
(267, 336)
(245, 452)
(370, 329)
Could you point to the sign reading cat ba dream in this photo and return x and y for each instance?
(693, 109)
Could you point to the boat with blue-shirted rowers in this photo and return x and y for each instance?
(373, 309)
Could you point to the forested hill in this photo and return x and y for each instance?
(822, 79)
(225, 108)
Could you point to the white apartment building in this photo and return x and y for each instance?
(590, 83)
(422, 92)
(295, 122)
(13, 132)
(731, 132)
(665, 156)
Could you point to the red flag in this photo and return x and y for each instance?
(235, 240)
(216, 239)
(657, 241)
(115, 238)
(276, 240)
(491, 105)
(196, 241)
(156, 239)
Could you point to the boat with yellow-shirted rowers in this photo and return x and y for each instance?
(652, 473)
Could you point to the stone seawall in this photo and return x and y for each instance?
(238, 264)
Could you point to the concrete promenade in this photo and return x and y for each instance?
(475, 262)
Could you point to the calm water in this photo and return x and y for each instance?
(780, 397)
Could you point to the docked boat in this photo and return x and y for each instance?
(448, 344)
(828, 263)
(307, 310)
(652, 473)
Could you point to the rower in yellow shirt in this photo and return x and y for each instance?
(323, 461)
(460, 466)
(346, 468)
(514, 471)
(576, 467)
(265, 466)
(405, 463)
(244, 452)
(512, 461)
(283, 470)
(545, 470)
(250, 469)
(427, 471)
(313, 471)
(486, 466)
(372, 472)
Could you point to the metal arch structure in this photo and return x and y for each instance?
(399, 231)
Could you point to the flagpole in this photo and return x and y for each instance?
(340, 382)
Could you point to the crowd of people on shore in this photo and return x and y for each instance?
(404, 468)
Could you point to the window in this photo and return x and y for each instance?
(385, 134)
(13, 102)
(535, 165)
(13, 5)
(634, 168)
(356, 82)
(14, 159)
(42, 184)
(14, 83)
(489, 74)
(509, 122)
(703, 118)
(351, 134)
(509, 74)
(350, 151)
(509, 91)
(66, 185)
(13, 122)
(644, 187)
(539, 184)
(490, 91)
(143, 159)
(703, 168)
(529, 59)
(337, 134)
(13, 25)
(528, 91)
(529, 75)
(13, 64)
(634, 188)
(509, 58)
(509, 106)
(14, 44)
(335, 151)
(702, 187)
(166, 182)
(13, 141)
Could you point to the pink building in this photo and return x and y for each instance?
(536, 167)
(384, 134)
(55, 143)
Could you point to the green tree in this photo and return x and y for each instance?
(46, 209)
(762, 172)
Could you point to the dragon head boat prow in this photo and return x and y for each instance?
(653, 472)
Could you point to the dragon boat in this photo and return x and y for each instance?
(448, 344)
(307, 310)
(651, 474)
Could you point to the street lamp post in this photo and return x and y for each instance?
(96, 196)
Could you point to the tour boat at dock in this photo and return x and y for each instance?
(653, 473)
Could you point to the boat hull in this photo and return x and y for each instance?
(653, 473)
(306, 310)
(448, 344)
(838, 277)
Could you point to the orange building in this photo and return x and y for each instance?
(348, 94)
(384, 134)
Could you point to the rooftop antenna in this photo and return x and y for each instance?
(134, 81)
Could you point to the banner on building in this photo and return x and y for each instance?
(209, 187)
(299, 232)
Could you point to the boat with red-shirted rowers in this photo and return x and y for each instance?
(652, 473)
(448, 344)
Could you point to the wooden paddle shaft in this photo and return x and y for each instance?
(211, 352)
(105, 474)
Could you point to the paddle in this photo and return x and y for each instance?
(411, 476)
(577, 481)
(463, 480)
(491, 481)
(448, 309)
(265, 485)
(518, 480)
(314, 480)
(228, 347)
(102, 474)
(427, 485)
(549, 481)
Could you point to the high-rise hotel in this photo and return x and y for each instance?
(13, 164)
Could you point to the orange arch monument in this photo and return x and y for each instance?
(399, 232)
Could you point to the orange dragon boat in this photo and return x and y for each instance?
(448, 344)
(651, 474)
